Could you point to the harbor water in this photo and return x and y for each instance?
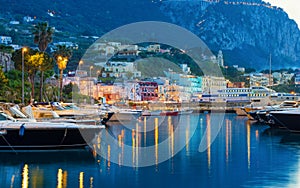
(240, 154)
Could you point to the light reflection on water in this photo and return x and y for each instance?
(243, 155)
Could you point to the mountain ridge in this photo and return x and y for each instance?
(247, 31)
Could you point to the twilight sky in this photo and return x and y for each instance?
(290, 6)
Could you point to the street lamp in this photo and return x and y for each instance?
(23, 51)
(62, 64)
(80, 63)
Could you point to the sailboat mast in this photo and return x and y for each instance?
(270, 71)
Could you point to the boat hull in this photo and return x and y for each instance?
(288, 120)
(151, 113)
(167, 113)
(45, 138)
(240, 112)
(124, 116)
(185, 112)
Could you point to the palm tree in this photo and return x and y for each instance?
(42, 37)
(62, 55)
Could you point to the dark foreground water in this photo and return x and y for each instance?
(242, 155)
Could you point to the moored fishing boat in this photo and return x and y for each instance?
(120, 114)
(185, 112)
(151, 112)
(18, 135)
(169, 113)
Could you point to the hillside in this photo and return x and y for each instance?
(247, 32)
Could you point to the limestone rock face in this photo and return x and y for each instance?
(247, 31)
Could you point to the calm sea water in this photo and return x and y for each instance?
(243, 154)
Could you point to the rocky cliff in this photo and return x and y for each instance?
(248, 32)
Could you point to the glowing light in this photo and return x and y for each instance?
(24, 49)
(208, 132)
(156, 140)
(187, 136)
(133, 146)
(248, 144)
(25, 176)
(65, 179)
(91, 182)
(145, 130)
(59, 178)
(137, 143)
(108, 156)
(81, 180)
(12, 181)
(227, 139)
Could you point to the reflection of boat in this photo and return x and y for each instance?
(291, 138)
(15, 135)
(289, 119)
(151, 113)
(42, 168)
(120, 114)
(125, 116)
(185, 112)
(240, 111)
(169, 113)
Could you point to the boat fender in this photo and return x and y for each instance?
(3, 132)
(22, 130)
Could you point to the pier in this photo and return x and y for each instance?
(195, 106)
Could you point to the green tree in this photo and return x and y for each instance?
(3, 84)
(37, 62)
(47, 64)
(63, 51)
(42, 37)
(62, 54)
(69, 89)
(6, 49)
(15, 85)
(3, 79)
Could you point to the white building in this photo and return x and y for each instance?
(120, 70)
(153, 48)
(241, 69)
(211, 84)
(28, 19)
(220, 59)
(5, 40)
(72, 45)
(186, 86)
(15, 46)
(282, 78)
(185, 68)
(114, 44)
(14, 22)
(260, 79)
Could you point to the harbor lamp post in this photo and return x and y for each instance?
(90, 92)
(23, 51)
(80, 64)
(62, 64)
